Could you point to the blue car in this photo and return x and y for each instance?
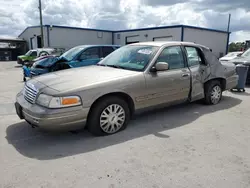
(78, 56)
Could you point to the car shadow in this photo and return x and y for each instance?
(34, 143)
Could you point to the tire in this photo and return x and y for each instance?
(101, 111)
(212, 94)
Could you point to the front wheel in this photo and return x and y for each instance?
(108, 116)
(213, 92)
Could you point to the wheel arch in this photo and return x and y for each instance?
(122, 95)
(222, 81)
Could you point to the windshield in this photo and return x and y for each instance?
(46, 62)
(134, 57)
(70, 54)
(29, 52)
(246, 53)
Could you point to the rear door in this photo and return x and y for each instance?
(170, 85)
(197, 66)
(89, 56)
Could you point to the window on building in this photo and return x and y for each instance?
(90, 53)
(106, 51)
(173, 56)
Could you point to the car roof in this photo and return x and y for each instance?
(98, 45)
(168, 43)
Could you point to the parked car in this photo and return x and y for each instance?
(33, 54)
(75, 57)
(231, 55)
(134, 77)
(39, 64)
(245, 60)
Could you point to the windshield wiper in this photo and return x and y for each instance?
(114, 66)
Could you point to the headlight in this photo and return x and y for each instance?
(58, 102)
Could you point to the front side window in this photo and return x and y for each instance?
(33, 54)
(173, 56)
(90, 53)
(192, 56)
(131, 57)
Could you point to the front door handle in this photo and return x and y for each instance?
(185, 75)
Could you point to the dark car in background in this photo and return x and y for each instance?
(78, 56)
(244, 59)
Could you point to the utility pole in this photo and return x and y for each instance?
(228, 25)
(41, 22)
(228, 34)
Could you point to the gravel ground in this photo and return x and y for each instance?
(183, 146)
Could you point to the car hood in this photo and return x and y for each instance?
(75, 78)
(22, 56)
(243, 60)
(227, 58)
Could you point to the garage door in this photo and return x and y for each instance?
(132, 39)
(167, 38)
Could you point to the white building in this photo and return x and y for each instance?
(68, 37)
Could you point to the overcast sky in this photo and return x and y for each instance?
(16, 15)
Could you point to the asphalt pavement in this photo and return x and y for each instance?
(189, 146)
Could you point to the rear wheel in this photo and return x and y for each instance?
(108, 116)
(213, 92)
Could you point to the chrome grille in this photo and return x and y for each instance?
(30, 94)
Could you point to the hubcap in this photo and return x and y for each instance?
(112, 118)
(216, 94)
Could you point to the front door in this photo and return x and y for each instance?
(90, 56)
(171, 85)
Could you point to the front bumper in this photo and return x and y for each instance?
(232, 82)
(66, 119)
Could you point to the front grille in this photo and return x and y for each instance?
(30, 94)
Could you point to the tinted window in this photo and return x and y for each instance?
(173, 56)
(106, 51)
(34, 53)
(90, 53)
(192, 56)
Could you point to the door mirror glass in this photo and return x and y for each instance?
(161, 66)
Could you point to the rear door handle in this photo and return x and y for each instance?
(185, 75)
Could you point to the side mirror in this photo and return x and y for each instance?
(160, 66)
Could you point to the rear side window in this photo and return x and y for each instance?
(106, 51)
(193, 56)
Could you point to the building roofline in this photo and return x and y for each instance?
(130, 30)
(173, 26)
(148, 28)
(79, 28)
